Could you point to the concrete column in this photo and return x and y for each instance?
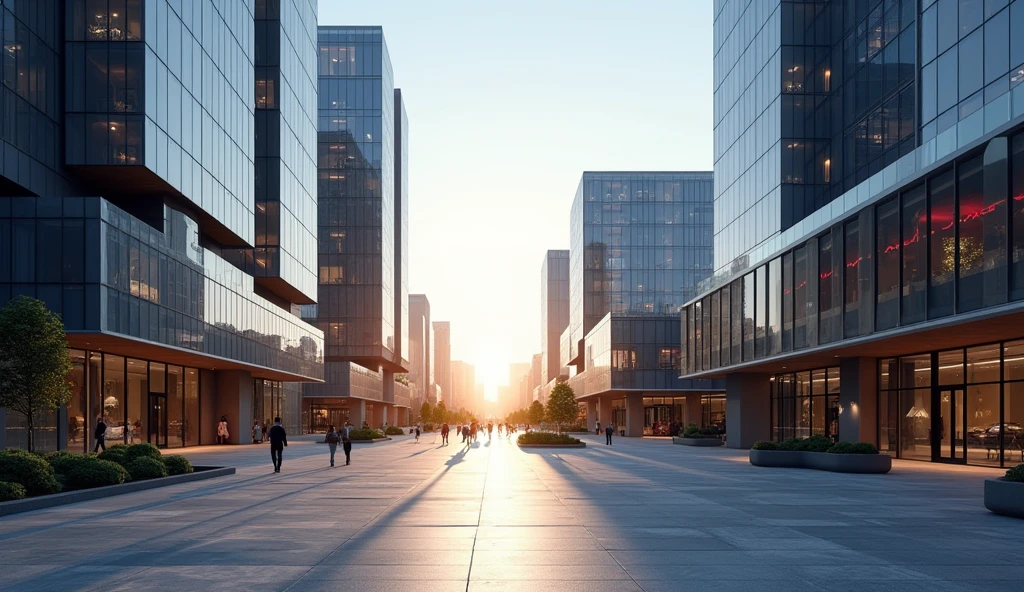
(858, 400)
(233, 399)
(62, 429)
(591, 414)
(693, 411)
(357, 412)
(604, 410)
(634, 415)
(747, 409)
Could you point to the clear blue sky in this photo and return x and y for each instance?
(508, 103)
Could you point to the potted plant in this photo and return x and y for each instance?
(1006, 496)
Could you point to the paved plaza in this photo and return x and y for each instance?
(640, 515)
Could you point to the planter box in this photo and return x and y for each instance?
(374, 441)
(697, 441)
(1004, 497)
(580, 445)
(81, 495)
(823, 461)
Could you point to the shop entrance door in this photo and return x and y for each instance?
(157, 425)
(949, 443)
(657, 420)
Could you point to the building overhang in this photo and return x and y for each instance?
(137, 348)
(997, 323)
(619, 393)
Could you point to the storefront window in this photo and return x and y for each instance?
(916, 413)
(914, 222)
(887, 257)
(78, 408)
(175, 402)
(951, 367)
(1013, 423)
(942, 247)
(113, 398)
(138, 400)
(983, 426)
(191, 407)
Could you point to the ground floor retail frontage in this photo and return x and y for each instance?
(319, 413)
(643, 414)
(165, 404)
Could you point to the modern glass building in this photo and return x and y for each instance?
(421, 339)
(554, 311)
(127, 176)
(874, 296)
(442, 357)
(639, 244)
(363, 233)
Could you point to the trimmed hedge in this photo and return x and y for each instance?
(394, 431)
(1015, 474)
(143, 450)
(817, 444)
(765, 445)
(115, 455)
(146, 468)
(31, 471)
(546, 438)
(11, 491)
(89, 471)
(62, 460)
(177, 464)
(852, 448)
(365, 434)
(575, 430)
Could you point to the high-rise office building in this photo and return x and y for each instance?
(363, 233)
(554, 316)
(639, 244)
(463, 386)
(421, 368)
(443, 360)
(867, 210)
(535, 380)
(141, 200)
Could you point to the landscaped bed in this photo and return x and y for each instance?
(693, 436)
(32, 481)
(1006, 496)
(548, 440)
(364, 436)
(819, 453)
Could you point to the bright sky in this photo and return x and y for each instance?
(508, 103)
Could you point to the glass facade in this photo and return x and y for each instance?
(554, 311)
(639, 244)
(805, 404)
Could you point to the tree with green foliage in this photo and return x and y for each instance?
(440, 412)
(563, 410)
(536, 413)
(34, 361)
(426, 412)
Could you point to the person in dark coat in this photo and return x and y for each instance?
(608, 431)
(346, 442)
(444, 434)
(278, 440)
(100, 434)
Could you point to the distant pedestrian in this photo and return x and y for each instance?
(597, 432)
(257, 432)
(465, 435)
(332, 438)
(100, 434)
(417, 434)
(490, 430)
(278, 440)
(222, 430)
(608, 431)
(346, 441)
(444, 434)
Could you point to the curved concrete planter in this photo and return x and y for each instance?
(697, 441)
(823, 461)
(374, 441)
(83, 495)
(580, 445)
(1004, 497)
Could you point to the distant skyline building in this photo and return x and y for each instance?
(363, 233)
(869, 226)
(421, 339)
(143, 201)
(535, 374)
(463, 385)
(554, 302)
(443, 360)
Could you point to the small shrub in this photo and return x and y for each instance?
(546, 438)
(146, 468)
(853, 448)
(177, 465)
(90, 471)
(121, 446)
(29, 470)
(143, 450)
(1016, 474)
(115, 455)
(765, 445)
(792, 444)
(428, 427)
(816, 444)
(11, 491)
(576, 430)
(394, 431)
(692, 431)
(365, 434)
(62, 460)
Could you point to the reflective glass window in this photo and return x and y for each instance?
(942, 245)
(887, 258)
(914, 222)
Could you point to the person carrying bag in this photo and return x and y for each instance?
(332, 438)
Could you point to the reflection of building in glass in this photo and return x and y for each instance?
(169, 328)
(554, 302)
(639, 244)
(867, 285)
(362, 301)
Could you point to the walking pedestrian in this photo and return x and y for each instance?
(417, 434)
(597, 432)
(346, 442)
(465, 435)
(278, 440)
(332, 438)
(222, 430)
(444, 434)
(257, 431)
(100, 434)
(608, 431)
